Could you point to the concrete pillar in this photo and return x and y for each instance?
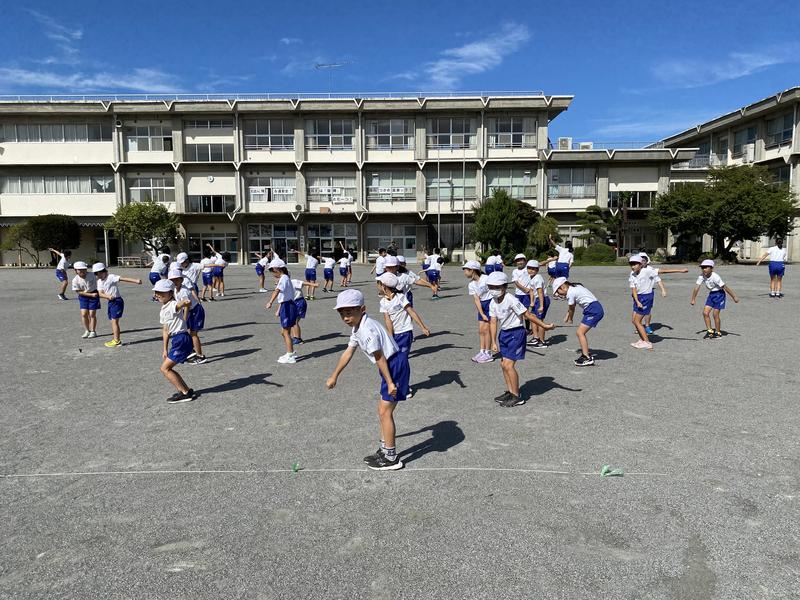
(420, 138)
(300, 188)
(238, 137)
(796, 131)
(602, 186)
(177, 139)
(117, 138)
(541, 189)
(541, 131)
(480, 183)
(359, 138)
(120, 185)
(761, 135)
(422, 202)
(299, 139)
(361, 196)
(663, 179)
(482, 137)
(180, 193)
(241, 197)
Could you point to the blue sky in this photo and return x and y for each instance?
(639, 70)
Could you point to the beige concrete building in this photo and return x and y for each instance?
(309, 172)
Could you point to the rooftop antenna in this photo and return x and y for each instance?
(330, 67)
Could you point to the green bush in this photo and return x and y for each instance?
(599, 253)
(579, 252)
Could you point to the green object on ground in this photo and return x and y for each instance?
(296, 467)
(607, 471)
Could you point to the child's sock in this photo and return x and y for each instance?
(390, 453)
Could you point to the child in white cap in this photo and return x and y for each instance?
(777, 255)
(177, 343)
(479, 291)
(84, 284)
(434, 272)
(642, 281)
(382, 351)
(648, 319)
(507, 315)
(218, 272)
(61, 271)
(593, 313)
(540, 305)
(522, 283)
(195, 315)
(287, 309)
(108, 288)
(398, 313)
(407, 279)
(716, 298)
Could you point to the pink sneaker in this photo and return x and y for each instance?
(477, 357)
(485, 357)
(642, 345)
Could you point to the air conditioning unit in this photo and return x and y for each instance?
(565, 143)
(749, 153)
(586, 145)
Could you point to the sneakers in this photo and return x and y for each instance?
(92, 334)
(381, 463)
(709, 335)
(197, 359)
(62, 297)
(536, 343)
(297, 341)
(180, 397)
(502, 397)
(477, 357)
(584, 361)
(484, 357)
(512, 400)
(780, 295)
(435, 297)
(86, 334)
(373, 457)
(648, 330)
(262, 291)
(642, 345)
(717, 335)
(113, 344)
(288, 359)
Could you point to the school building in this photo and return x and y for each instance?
(311, 171)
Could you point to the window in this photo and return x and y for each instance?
(449, 182)
(271, 189)
(57, 184)
(274, 134)
(456, 132)
(325, 237)
(569, 182)
(329, 134)
(782, 174)
(55, 132)
(208, 124)
(339, 189)
(512, 132)
(741, 138)
(283, 239)
(634, 199)
(150, 138)
(403, 237)
(209, 152)
(222, 242)
(779, 131)
(400, 184)
(390, 134)
(212, 204)
(147, 189)
(520, 183)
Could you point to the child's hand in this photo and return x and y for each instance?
(692, 302)
(268, 305)
(138, 282)
(736, 300)
(663, 294)
(164, 355)
(392, 389)
(426, 331)
(550, 326)
(330, 383)
(278, 313)
(567, 320)
(639, 304)
(495, 349)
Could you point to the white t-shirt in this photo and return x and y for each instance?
(192, 272)
(159, 266)
(263, 261)
(406, 281)
(172, 317)
(219, 261)
(521, 275)
(480, 288)
(498, 260)
(537, 282)
(84, 284)
(343, 262)
(379, 265)
(298, 289)
(577, 294)
(425, 259)
(63, 263)
(713, 282)
(775, 254)
(207, 264)
(508, 312)
(328, 262)
(109, 285)
(564, 255)
(285, 289)
(311, 262)
(185, 294)
(645, 280)
(491, 260)
(349, 259)
(396, 309)
(371, 337)
(434, 266)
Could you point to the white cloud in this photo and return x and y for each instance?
(65, 39)
(287, 41)
(644, 126)
(474, 58)
(137, 80)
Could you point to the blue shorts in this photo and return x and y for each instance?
(87, 303)
(593, 314)
(551, 270)
(115, 308)
(342, 272)
(288, 314)
(526, 300)
(401, 373)
(647, 303)
(197, 318)
(327, 274)
(433, 275)
(716, 300)
(562, 270)
(488, 269)
(311, 274)
(540, 312)
(217, 272)
(302, 307)
(410, 298)
(154, 277)
(208, 278)
(259, 269)
(61, 274)
(512, 343)
(180, 347)
(776, 269)
(485, 304)
(403, 341)
(425, 266)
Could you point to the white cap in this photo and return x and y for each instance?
(707, 263)
(472, 264)
(401, 259)
(635, 258)
(532, 264)
(391, 261)
(97, 267)
(164, 285)
(497, 278)
(644, 256)
(389, 280)
(175, 274)
(276, 263)
(558, 282)
(181, 258)
(519, 257)
(349, 298)
(79, 265)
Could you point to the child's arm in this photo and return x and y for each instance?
(540, 293)
(552, 241)
(731, 293)
(663, 271)
(383, 367)
(418, 320)
(694, 294)
(104, 296)
(54, 251)
(537, 321)
(165, 339)
(484, 316)
(388, 322)
(493, 333)
(570, 314)
(635, 295)
(272, 299)
(182, 304)
(662, 288)
(344, 359)
(766, 254)
(131, 280)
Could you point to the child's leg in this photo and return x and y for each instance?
(296, 331)
(510, 375)
(637, 322)
(261, 282)
(85, 319)
(115, 329)
(173, 377)
(287, 340)
(92, 320)
(717, 319)
(581, 333)
(221, 285)
(707, 316)
(63, 287)
(196, 345)
(386, 419)
(484, 334)
(778, 284)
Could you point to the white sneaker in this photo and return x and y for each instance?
(287, 359)
(92, 334)
(262, 291)
(85, 334)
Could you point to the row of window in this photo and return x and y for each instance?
(55, 132)
(779, 131)
(57, 184)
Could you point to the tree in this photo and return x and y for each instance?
(502, 222)
(53, 231)
(16, 238)
(733, 205)
(593, 222)
(149, 222)
(540, 233)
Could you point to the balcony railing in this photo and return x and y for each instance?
(337, 195)
(702, 161)
(455, 141)
(518, 192)
(391, 193)
(566, 190)
(260, 193)
(329, 142)
(387, 142)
